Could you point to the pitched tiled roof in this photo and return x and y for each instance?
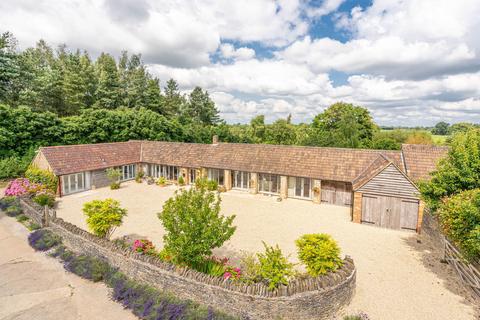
(421, 160)
(85, 157)
(339, 164)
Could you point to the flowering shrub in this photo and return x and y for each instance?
(42, 240)
(18, 187)
(144, 246)
(232, 273)
(42, 177)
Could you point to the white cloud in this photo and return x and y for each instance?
(410, 62)
(229, 51)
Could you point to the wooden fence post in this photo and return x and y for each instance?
(46, 216)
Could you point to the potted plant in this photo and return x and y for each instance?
(139, 177)
(150, 180)
(316, 189)
(114, 177)
(161, 182)
(181, 181)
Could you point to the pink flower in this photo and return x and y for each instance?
(227, 275)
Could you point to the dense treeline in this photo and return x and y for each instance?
(56, 96)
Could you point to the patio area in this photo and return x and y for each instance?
(393, 280)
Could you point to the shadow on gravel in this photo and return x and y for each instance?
(429, 244)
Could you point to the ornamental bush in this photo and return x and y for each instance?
(45, 198)
(194, 225)
(181, 181)
(103, 216)
(459, 218)
(319, 252)
(114, 176)
(275, 269)
(43, 177)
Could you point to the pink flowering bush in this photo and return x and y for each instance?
(232, 273)
(18, 187)
(144, 246)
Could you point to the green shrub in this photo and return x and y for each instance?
(7, 201)
(13, 210)
(103, 216)
(203, 183)
(15, 166)
(114, 176)
(21, 218)
(43, 177)
(139, 176)
(194, 225)
(319, 252)
(161, 181)
(115, 185)
(88, 267)
(275, 268)
(45, 199)
(459, 218)
(181, 181)
(32, 226)
(43, 239)
(211, 266)
(250, 268)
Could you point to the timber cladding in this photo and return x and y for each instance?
(312, 298)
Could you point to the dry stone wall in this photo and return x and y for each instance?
(313, 298)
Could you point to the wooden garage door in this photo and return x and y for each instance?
(335, 192)
(390, 212)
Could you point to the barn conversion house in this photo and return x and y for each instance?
(378, 185)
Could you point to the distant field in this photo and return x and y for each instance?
(436, 138)
(439, 139)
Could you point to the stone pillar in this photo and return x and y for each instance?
(421, 209)
(317, 191)
(283, 187)
(357, 207)
(203, 173)
(227, 179)
(184, 174)
(253, 183)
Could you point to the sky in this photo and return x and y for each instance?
(410, 62)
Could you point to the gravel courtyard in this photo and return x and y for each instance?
(394, 280)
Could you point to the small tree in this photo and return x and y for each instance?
(319, 252)
(459, 171)
(274, 267)
(194, 225)
(114, 177)
(103, 216)
(460, 220)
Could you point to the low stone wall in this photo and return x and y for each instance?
(314, 298)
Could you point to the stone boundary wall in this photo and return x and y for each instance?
(313, 298)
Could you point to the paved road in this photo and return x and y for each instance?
(35, 286)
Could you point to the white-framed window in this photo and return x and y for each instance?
(72, 183)
(299, 187)
(168, 172)
(128, 172)
(268, 183)
(216, 175)
(240, 179)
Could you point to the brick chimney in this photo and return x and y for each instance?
(215, 139)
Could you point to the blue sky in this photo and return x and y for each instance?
(409, 62)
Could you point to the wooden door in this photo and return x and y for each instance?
(336, 192)
(371, 209)
(409, 214)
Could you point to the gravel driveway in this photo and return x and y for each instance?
(393, 280)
